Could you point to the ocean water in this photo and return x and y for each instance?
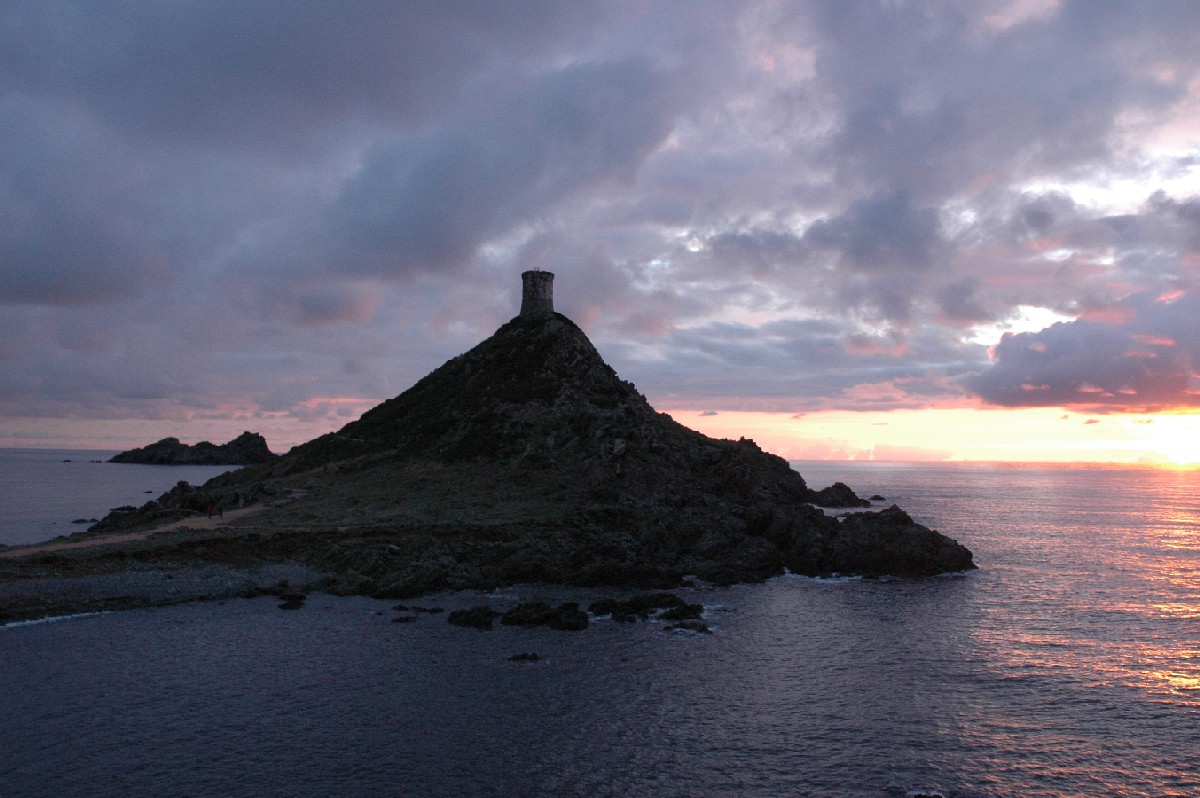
(1068, 665)
(43, 491)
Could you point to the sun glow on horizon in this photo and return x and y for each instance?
(963, 434)
(953, 434)
(1176, 438)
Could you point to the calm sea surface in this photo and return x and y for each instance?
(42, 491)
(1069, 665)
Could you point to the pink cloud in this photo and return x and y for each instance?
(1153, 340)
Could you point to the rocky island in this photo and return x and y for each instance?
(249, 448)
(526, 459)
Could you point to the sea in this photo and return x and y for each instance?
(1068, 664)
(47, 493)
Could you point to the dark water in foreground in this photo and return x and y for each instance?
(1068, 666)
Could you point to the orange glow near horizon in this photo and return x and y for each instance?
(963, 434)
(933, 434)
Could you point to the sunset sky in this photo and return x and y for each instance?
(849, 230)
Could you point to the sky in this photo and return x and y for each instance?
(892, 230)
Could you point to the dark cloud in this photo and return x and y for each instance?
(268, 74)
(884, 233)
(933, 98)
(428, 203)
(880, 245)
(961, 300)
(760, 251)
(72, 222)
(873, 260)
(788, 366)
(1148, 360)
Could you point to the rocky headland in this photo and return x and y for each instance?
(526, 459)
(249, 448)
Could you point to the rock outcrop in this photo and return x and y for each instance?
(838, 494)
(249, 448)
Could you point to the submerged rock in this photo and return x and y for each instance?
(292, 600)
(474, 618)
(695, 627)
(533, 613)
(639, 607)
(567, 617)
(688, 612)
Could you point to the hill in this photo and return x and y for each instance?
(529, 459)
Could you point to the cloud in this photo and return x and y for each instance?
(224, 209)
(428, 202)
(962, 300)
(794, 366)
(270, 76)
(883, 232)
(880, 242)
(74, 229)
(1148, 361)
(933, 98)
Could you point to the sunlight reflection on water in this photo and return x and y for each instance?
(1099, 569)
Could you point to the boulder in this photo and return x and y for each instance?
(474, 618)
(688, 612)
(882, 543)
(292, 601)
(838, 494)
(639, 607)
(533, 613)
(695, 627)
(568, 618)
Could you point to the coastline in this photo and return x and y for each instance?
(305, 542)
(188, 560)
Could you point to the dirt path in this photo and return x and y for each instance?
(216, 522)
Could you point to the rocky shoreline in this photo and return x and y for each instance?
(260, 551)
(142, 586)
(39, 597)
(42, 599)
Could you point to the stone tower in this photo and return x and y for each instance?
(537, 294)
